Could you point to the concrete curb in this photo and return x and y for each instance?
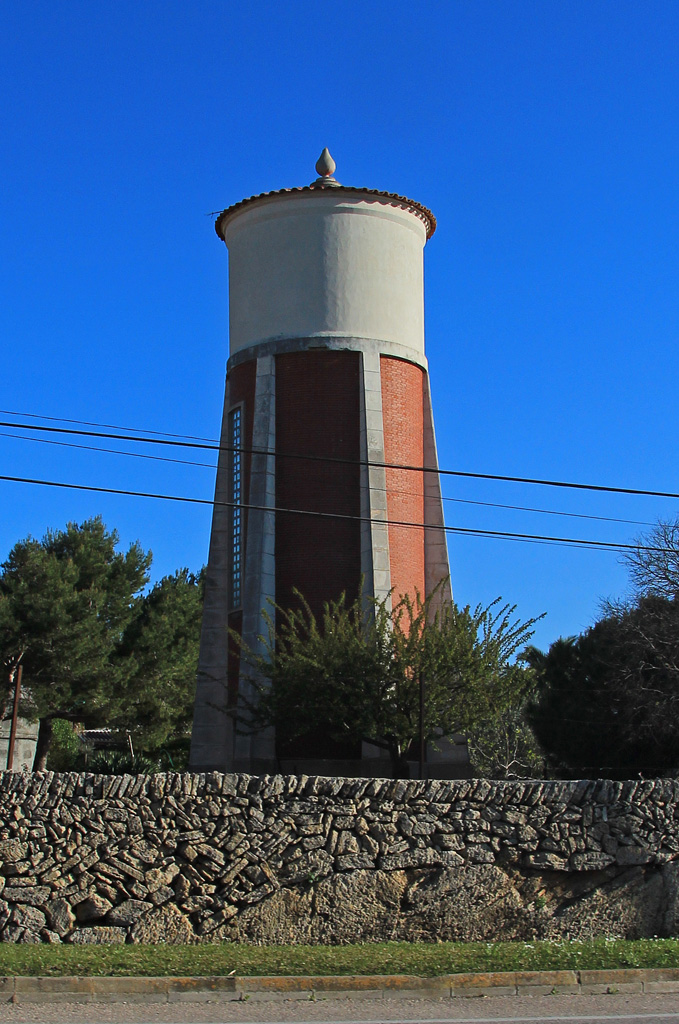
(449, 986)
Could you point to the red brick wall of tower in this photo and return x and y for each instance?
(318, 414)
(403, 417)
(241, 392)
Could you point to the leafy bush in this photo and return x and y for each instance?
(67, 751)
(122, 762)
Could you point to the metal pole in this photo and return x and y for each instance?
(423, 745)
(15, 715)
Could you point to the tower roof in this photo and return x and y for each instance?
(325, 167)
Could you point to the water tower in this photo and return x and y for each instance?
(327, 394)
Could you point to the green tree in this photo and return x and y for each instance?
(65, 603)
(608, 699)
(357, 675)
(67, 750)
(503, 745)
(162, 642)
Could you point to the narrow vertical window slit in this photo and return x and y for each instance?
(236, 511)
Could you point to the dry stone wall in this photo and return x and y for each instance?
(185, 858)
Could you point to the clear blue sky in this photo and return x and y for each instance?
(544, 136)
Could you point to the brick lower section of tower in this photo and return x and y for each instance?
(403, 417)
(323, 419)
(317, 415)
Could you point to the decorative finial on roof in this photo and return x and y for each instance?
(325, 166)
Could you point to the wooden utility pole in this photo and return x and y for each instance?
(15, 714)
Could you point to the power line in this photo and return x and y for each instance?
(544, 511)
(212, 465)
(467, 531)
(110, 426)
(109, 451)
(504, 478)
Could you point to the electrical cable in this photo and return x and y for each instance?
(109, 426)
(543, 511)
(355, 462)
(109, 451)
(413, 494)
(500, 534)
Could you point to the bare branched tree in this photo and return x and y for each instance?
(654, 564)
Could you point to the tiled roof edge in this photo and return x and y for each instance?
(420, 211)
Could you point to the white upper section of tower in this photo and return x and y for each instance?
(326, 261)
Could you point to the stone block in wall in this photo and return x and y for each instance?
(11, 851)
(165, 924)
(36, 895)
(670, 876)
(629, 855)
(98, 935)
(60, 916)
(92, 909)
(161, 895)
(590, 861)
(29, 918)
(418, 858)
(127, 912)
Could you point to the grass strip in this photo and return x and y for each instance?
(416, 958)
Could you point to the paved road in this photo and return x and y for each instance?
(604, 1009)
